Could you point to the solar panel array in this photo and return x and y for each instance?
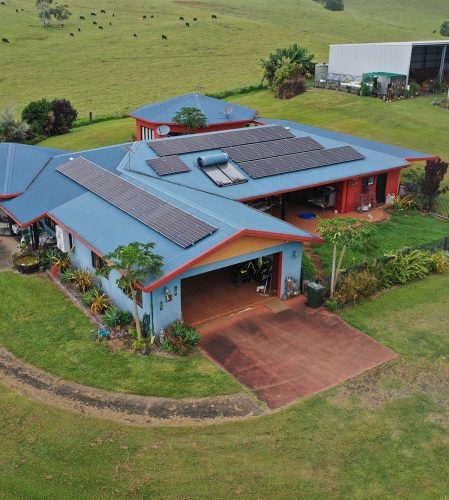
(168, 165)
(300, 161)
(179, 226)
(190, 144)
(280, 147)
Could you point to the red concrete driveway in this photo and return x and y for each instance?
(291, 354)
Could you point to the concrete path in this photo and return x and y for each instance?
(8, 246)
(38, 385)
(290, 354)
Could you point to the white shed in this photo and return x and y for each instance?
(418, 60)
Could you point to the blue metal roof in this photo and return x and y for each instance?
(214, 109)
(20, 164)
(374, 161)
(380, 147)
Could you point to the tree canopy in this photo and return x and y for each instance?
(12, 130)
(191, 118)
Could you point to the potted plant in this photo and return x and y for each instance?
(27, 264)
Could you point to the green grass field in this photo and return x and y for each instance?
(382, 435)
(41, 326)
(111, 71)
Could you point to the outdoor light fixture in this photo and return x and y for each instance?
(295, 253)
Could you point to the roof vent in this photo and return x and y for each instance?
(212, 159)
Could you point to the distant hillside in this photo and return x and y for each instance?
(110, 70)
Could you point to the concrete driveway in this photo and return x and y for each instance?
(8, 246)
(290, 354)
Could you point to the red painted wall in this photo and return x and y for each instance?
(178, 129)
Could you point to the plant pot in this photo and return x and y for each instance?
(54, 271)
(28, 269)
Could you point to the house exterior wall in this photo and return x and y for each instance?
(178, 129)
(357, 59)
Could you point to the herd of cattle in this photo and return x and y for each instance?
(101, 28)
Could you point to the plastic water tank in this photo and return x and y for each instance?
(212, 159)
(321, 71)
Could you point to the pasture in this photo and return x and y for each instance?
(111, 70)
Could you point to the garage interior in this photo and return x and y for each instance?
(215, 294)
(429, 62)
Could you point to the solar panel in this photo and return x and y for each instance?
(300, 161)
(179, 226)
(168, 165)
(269, 149)
(224, 174)
(190, 144)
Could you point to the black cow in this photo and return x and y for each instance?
(100, 27)
(71, 34)
(5, 40)
(144, 17)
(2, 3)
(187, 24)
(164, 37)
(151, 17)
(93, 14)
(79, 29)
(110, 24)
(113, 15)
(181, 18)
(214, 16)
(195, 19)
(82, 18)
(17, 10)
(94, 22)
(103, 11)
(135, 36)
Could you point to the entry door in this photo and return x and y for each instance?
(381, 188)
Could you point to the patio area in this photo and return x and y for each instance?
(374, 215)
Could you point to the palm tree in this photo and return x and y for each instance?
(294, 54)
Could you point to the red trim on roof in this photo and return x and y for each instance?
(9, 196)
(143, 120)
(299, 188)
(422, 158)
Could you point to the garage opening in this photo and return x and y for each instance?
(229, 290)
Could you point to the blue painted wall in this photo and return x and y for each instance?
(164, 312)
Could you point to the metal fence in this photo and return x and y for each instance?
(441, 208)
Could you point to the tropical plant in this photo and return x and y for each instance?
(435, 171)
(12, 130)
(343, 233)
(100, 302)
(180, 338)
(135, 262)
(112, 316)
(191, 118)
(88, 297)
(404, 204)
(140, 345)
(83, 279)
(62, 261)
(50, 257)
(287, 57)
(356, 286)
(66, 275)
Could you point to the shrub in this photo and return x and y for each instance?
(404, 204)
(64, 116)
(334, 5)
(125, 318)
(38, 114)
(141, 345)
(88, 297)
(100, 302)
(444, 29)
(51, 256)
(83, 279)
(402, 267)
(12, 130)
(365, 90)
(331, 305)
(356, 286)
(180, 339)
(112, 317)
(66, 275)
(291, 88)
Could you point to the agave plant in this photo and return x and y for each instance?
(83, 279)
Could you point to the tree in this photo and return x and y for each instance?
(60, 13)
(335, 5)
(343, 233)
(12, 130)
(44, 11)
(135, 262)
(64, 116)
(288, 57)
(191, 118)
(434, 173)
(444, 29)
(38, 114)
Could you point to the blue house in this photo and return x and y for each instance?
(203, 200)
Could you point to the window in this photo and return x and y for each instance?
(50, 223)
(146, 133)
(139, 297)
(97, 261)
(70, 241)
(366, 183)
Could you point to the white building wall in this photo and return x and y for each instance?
(366, 58)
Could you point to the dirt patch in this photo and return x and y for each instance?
(38, 385)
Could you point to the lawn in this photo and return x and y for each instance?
(383, 434)
(404, 230)
(43, 327)
(110, 70)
